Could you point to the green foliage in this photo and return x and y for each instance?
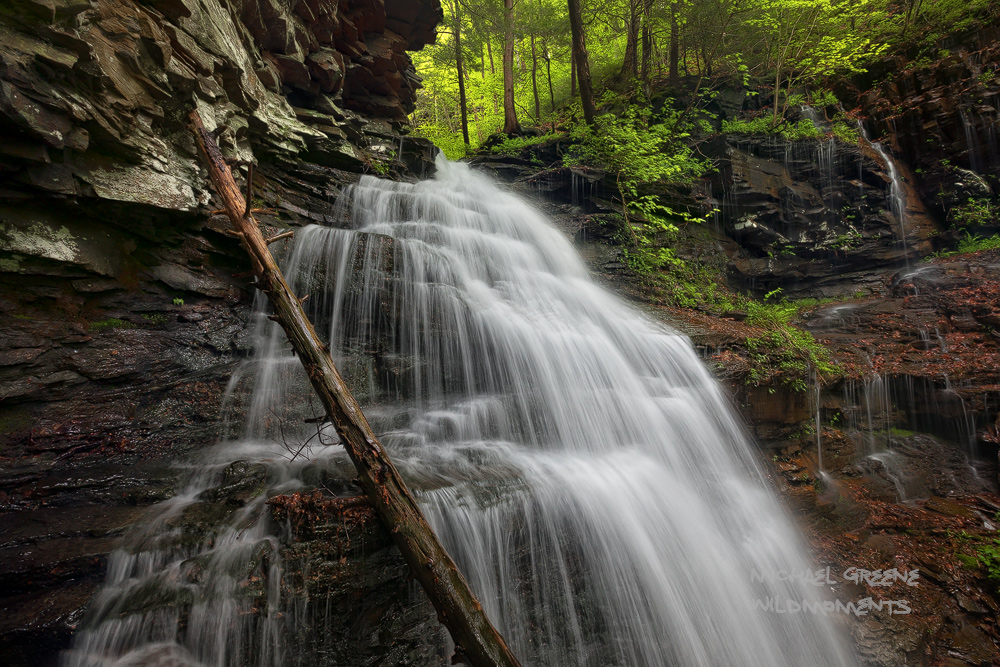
(515, 145)
(848, 241)
(803, 129)
(638, 148)
(823, 98)
(973, 213)
(178, 301)
(978, 243)
(987, 556)
(845, 132)
(970, 244)
(794, 45)
(450, 142)
(380, 164)
(784, 351)
(156, 318)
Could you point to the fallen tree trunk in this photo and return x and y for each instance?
(477, 642)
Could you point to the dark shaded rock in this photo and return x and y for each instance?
(339, 551)
(120, 316)
(809, 216)
(942, 119)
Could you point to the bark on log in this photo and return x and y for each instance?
(477, 642)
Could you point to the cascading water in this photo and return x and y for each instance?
(575, 457)
(897, 195)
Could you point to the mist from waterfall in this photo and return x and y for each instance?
(576, 457)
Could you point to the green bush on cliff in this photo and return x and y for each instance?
(970, 244)
(638, 147)
(511, 146)
(784, 352)
(978, 243)
(845, 132)
(974, 213)
(804, 129)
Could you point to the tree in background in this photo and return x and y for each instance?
(510, 124)
(630, 62)
(582, 63)
(459, 65)
(779, 49)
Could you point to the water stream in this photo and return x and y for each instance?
(576, 457)
(897, 195)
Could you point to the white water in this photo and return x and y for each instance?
(576, 458)
(897, 195)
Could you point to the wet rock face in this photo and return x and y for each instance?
(339, 551)
(943, 119)
(120, 316)
(812, 215)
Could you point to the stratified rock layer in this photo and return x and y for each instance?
(120, 316)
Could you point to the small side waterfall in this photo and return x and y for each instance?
(897, 195)
(576, 457)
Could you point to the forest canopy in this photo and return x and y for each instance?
(508, 65)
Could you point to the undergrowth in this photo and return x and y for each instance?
(511, 146)
(969, 244)
(784, 352)
(803, 129)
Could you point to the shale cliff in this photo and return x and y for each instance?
(120, 316)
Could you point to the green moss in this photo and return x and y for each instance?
(156, 318)
(968, 562)
(110, 323)
(11, 265)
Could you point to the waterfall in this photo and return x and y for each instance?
(897, 195)
(575, 457)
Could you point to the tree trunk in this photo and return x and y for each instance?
(582, 65)
(674, 46)
(534, 78)
(493, 70)
(476, 640)
(572, 74)
(647, 42)
(461, 74)
(510, 124)
(630, 64)
(548, 73)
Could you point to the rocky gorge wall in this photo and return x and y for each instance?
(891, 459)
(121, 318)
(122, 308)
